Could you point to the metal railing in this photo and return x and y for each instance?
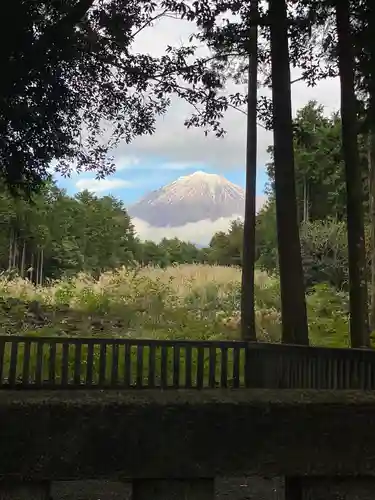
(68, 363)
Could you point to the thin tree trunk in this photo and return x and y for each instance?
(293, 302)
(248, 331)
(371, 166)
(32, 267)
(15, 252)
(37, 268)
(23, 259)
(41, 264)
(305, 200)
(10, 255)
(359, 331)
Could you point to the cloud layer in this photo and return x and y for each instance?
(101, 185)
(197, 232)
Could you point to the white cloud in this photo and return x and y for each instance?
(178, 145)
(127, 162)
(178, 165)
(100, 185)
(197, 232)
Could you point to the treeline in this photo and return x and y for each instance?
(58, 235)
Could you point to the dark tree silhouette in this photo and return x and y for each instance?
(359, 331)
(248, 331)
(293, 304)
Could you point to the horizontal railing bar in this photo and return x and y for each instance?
(49, 386)
(352, 352)
(122, 341)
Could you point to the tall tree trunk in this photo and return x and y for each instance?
(10, 254)
(371, 159)
(37, 268)
(23, 259)
(359, 331)
(305, 201)
(15, 252)
(371, 167)
(41, 265)
(248, 331)
(293, 302)
(32, 267)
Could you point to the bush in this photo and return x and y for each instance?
(325, 253)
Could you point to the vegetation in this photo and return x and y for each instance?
(187, 301)
(74, 265)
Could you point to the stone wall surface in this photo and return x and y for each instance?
(232, 488)
(246, 488)
(28, 491)
(91, 490)
(249, 488)
(339, 489)
(185, 434)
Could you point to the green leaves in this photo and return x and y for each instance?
(84, 233)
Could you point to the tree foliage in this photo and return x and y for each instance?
(73, 87)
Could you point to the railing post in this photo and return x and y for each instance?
(293, 488)
(251, 367)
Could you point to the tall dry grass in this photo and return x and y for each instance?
(186, 301)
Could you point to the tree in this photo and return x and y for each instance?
(293, 304)
(266, 238)
(68, 70)
(359, 332)
(248, 331)
(365, 85)
(226, 248)
(319, 165)
(58, 235)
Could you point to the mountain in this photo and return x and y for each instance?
(191, 198)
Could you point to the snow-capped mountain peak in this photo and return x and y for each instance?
(191, 198)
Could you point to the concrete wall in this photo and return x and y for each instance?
(339, 489)
(12, 490)
(250, 488)
(232, 488)
(177, 434)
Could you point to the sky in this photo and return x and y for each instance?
(152, 161)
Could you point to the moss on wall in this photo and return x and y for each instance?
(94, 434)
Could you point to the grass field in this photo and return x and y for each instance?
(187, 301)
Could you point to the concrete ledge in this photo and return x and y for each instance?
(24, 491)
(185, 434)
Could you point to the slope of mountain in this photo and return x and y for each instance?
(191, 198)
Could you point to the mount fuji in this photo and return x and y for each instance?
(191, 199)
